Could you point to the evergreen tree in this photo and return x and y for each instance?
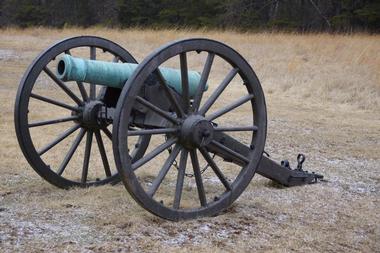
(301, 15)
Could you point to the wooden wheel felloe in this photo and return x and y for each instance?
(76, 109)
(176, 186)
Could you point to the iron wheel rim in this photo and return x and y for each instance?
(124, 108)
(22, 105)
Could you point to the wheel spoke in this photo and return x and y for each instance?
(54, 102)
(87, 153)
(203, 81)
(53, 121)
(169, 94)
(63, 86)
(92, 86)
(215, 168)
(116, 58)
(83, 91)
(164, 170)
(103, 153)
(71, 152)
(211, 100)
(185, 81)
(107, 132)
(230, 151)
(229, 107)
(58, 139)
(198, 177)
(158, 150)
(180, 178)
(236, 128)
(156, 109)
(152, 131)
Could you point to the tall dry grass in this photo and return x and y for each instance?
(305, 78)
(315, 68)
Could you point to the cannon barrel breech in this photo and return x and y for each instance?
(115, 75)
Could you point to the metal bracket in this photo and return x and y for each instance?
(284, 174)
(106, 114)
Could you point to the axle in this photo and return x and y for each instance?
(116, 74)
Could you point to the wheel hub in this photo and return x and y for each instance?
(90, 112)
(196, 131)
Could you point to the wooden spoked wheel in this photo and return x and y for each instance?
(57, 122)
(178, 178)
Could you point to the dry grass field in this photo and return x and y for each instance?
(323, 99)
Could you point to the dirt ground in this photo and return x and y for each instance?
(323, 98)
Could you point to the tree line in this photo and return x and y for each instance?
(244, 15)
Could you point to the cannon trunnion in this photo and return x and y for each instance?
(186, 140)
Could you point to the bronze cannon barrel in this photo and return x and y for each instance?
(116, 74)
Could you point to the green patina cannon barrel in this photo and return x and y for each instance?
(116, 74)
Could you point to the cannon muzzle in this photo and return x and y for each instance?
(116, 74)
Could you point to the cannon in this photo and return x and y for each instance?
(184, 143)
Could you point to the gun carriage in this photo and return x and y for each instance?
(131, 104)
